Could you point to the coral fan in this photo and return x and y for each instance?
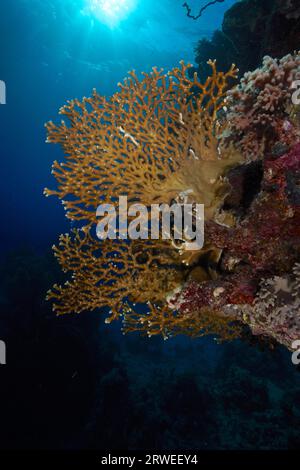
(105, 274)
(166, 138)
(154, 140)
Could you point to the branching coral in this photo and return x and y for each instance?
(107, 273)
(260, 107)
(170, 138)
(169, 323)
(154, 140)
(119, 275)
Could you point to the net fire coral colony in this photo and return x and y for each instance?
(236, 151)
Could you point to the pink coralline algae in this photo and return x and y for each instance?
(260, 113)
(275, 312)
(257, 280)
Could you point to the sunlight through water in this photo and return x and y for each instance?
(110, 12)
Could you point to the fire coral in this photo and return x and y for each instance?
(167, 138)
(154, 140)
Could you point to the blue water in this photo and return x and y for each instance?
(52, 51)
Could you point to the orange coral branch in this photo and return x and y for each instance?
(146, 141)
(109, 272)
(153, 140)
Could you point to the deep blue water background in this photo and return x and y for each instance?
(50, 52)
(188, 393)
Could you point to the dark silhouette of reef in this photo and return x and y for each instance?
(252, 29)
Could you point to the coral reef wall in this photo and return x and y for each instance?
(259, 269)
(252, 29)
